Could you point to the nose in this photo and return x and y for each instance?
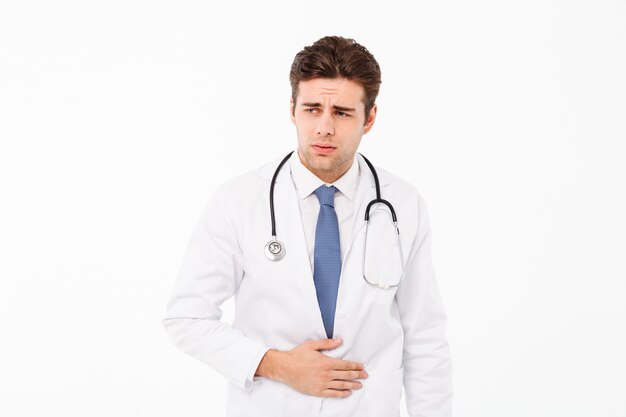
(325, 125)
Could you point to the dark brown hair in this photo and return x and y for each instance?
(337, 57)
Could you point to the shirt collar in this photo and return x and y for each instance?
(307, 182)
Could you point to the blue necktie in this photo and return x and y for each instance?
(327, 259)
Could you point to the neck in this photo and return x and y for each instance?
(327, 176)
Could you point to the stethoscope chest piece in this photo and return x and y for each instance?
(275, 250)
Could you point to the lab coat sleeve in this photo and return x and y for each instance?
(210, 274)
(426, 355)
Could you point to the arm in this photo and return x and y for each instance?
(426, 356)
(210, 274)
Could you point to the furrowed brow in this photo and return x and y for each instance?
(340, 108)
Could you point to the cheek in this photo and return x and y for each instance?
(301, 123)
(352, 133)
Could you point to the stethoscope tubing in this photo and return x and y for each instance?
(367, 210)
(275, 249)
(272, 192)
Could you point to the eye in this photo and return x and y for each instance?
(342, 114)
(310, 110)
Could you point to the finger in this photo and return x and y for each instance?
(348, 375)
(341, 365)
(336, 393)
(324, 344)
(343, 385)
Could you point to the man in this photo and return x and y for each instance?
(312, 337)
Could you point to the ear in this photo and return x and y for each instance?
(370, 119)
(291, 110)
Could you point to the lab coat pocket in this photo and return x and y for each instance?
(385, 272)
(389, 274)
(386, 296)
(381, 261)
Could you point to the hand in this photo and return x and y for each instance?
(308, 371)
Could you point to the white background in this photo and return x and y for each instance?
(118, 118)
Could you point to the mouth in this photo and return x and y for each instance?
(323, 149)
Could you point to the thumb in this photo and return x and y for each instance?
(325, 344)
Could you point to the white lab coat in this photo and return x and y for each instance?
(399, 333)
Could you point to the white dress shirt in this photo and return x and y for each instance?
(306, 183)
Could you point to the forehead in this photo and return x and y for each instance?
(339, 89)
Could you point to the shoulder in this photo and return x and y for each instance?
(398, 187)
(248, 184)
(234, 199)
(407, 201)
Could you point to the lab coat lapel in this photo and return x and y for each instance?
(290, 228)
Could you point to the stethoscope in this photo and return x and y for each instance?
(275, 249)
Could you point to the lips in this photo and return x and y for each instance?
(323, 149)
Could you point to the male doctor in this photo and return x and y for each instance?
(311, 336)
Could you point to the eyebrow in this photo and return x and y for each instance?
(340, 108)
